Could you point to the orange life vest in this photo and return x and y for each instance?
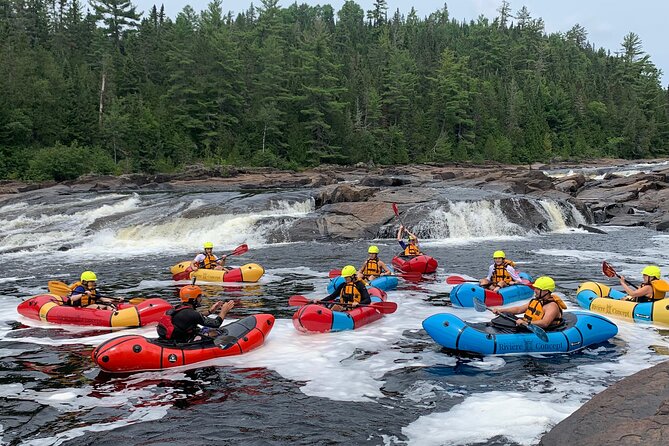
(411, 250)
(371, 268)
(500, 273)
(86, 299)
(657, 294)
(209, 261)
(350, 293)
(535, 310)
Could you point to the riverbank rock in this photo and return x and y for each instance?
(634, 411)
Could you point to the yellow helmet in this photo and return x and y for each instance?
(208, 245)
(652, 271)
(88, 276)
(545, 283)
(412, 237)
(373, 249)
(348, 271)
(498, 254)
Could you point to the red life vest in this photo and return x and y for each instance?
(165, 326)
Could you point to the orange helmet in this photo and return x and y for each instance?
(189, 293)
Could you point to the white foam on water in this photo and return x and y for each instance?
(136, 415)
(14, 279)
(486, 415)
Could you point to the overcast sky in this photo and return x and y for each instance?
(606, 21)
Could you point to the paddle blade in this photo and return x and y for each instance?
(239, 250)
(136, 300)
(58, 288)
(385, 307)
(455, 280)
(608, 270)
(395, 210)
(541, 334)
(298, 301)
(334, 273)
(479, 306)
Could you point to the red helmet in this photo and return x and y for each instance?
(189, 293)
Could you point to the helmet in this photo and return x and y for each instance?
(652, 271)
(208, 245)
(498, 254)
(348, 271)
(190, 293)
(373, 249)
(412, 237)
(88, 276)
(545, 283)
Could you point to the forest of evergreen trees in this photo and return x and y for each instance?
(101, 87)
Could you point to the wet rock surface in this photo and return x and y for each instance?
(634, 411)
(353, 202)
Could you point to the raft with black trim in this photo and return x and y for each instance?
(315, 318)
(415, 264)
(463, 295)
(602, 299)
(251, 272)
(50, 308)
(385, 283)
(580, 330)
(134, 353)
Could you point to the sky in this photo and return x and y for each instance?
(606, 21)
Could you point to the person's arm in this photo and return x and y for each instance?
(412, 235)
(491, 269)
(221, 260)
(399, 233)
(218, 320)
(515, 277)
(513, 310)
(384, 269)
(631, 292)
(364, 294)
(77, 294)
(551, 311)
(195, 264)
(335, 294)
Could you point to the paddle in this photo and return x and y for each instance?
(411, 276)
(457, 280)
(541, 334)
(381, 307)
(239, 250)
(63, 290)
(397, 214)
(609, 271)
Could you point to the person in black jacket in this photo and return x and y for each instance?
(352, 292)
(182, 324)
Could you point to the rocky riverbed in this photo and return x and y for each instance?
(353, 202)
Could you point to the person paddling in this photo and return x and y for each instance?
(411, 249)
(647, 291)
(544, 310)
(373, 267)
(208, 260)
(501, 273)
(84, 293)
(351, 292)
(182, 324)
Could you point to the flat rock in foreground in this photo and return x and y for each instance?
(634, 411)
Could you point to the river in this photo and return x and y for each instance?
(385, 384)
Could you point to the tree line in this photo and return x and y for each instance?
(101, 87)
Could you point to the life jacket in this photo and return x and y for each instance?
(412, 250)
(166, 326)
(535, 310)
(500, 273)
(86, 299)
(371, 268)
(350, 293)
(209, 261)
(657, 294)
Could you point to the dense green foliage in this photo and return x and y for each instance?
(114, 90)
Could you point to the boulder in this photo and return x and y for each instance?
(342, 193)
(383, 181)
(634, 411)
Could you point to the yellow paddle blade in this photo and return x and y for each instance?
(58, 288)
